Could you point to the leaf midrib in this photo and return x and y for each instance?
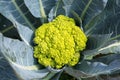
(85, 9)
(24, 17)
(42, 12)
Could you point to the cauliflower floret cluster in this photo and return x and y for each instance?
(58, 43)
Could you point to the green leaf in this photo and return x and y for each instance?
(6, 72)
(49, 76)
(104, 65)
(108, 25)
(7, 28)
(67, 6)
(29, 74)
(94, 44)
(112, 7)
(111, 48)
(87, 9)
(20, 57)
(54, 73)
(75, 73)
(16, 51)
(40, 8)
(25, 33)
(58, 9)
(66, 2)
(91, 25)
(11, 10)
(57, 76)
(98, 40)
(107, 21)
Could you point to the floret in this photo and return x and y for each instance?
(59, 43)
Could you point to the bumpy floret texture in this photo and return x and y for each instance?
(58, 43)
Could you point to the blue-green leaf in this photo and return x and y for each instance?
(75, 73)
(111, 48)
(40, 8)
(66, 2)
(58, 9)
(103, 65)
(25, 33)
(94, 44)
(108, 25)
(107, 21)
(20, 57)
(54, 73)
(12, 11)
(57, 76)
(6, 72)
(86, 9)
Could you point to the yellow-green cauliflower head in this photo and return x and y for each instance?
(59, 43)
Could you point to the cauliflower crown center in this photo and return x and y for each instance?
(59, 43)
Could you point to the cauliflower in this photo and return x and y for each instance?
(58, 43)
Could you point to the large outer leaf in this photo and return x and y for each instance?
(87, 9)
(40, 8)
(98, 40)
(20, 56)
(57, 76)
(109, 24)
(12, 10)
(104, 65)
(25, 33)
(107, 21)
(75, 73)
(94, 44)
(66, 2)
(111, 48)
(6, 27)
(58, 9)
(6, 72)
